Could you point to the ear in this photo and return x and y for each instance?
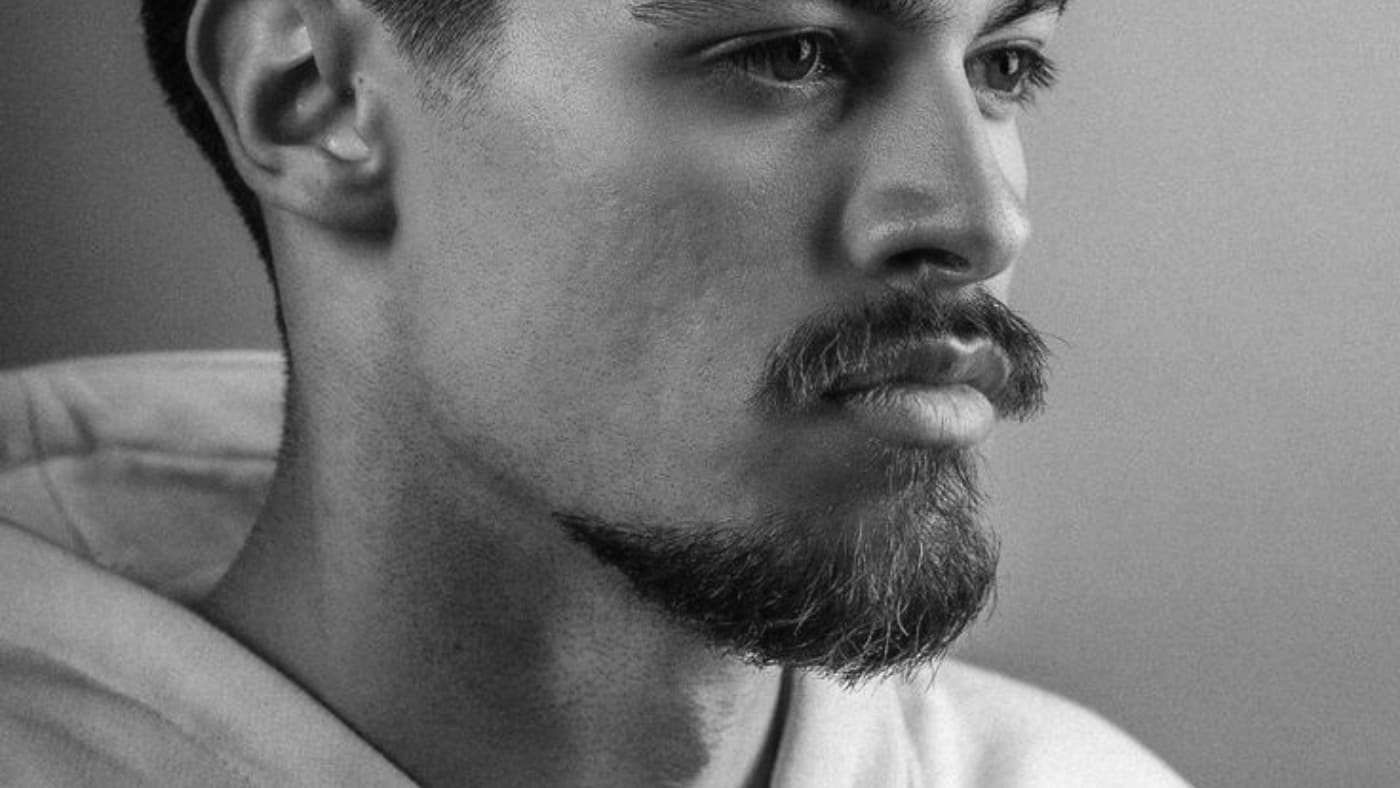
(280, 79)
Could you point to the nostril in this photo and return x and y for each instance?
(930, 261)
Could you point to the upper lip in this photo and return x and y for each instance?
(940, 361)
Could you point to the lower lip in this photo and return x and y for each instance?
(948, 416)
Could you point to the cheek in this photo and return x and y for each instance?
(605, 325)
(1011, 157)
(1010, 153)
(595, 294)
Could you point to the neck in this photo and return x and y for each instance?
(468, 639)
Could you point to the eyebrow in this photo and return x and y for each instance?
(1011, 13)
(914, 15)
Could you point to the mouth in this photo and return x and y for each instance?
(942, 362)
(937, 393)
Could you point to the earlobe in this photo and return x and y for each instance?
(278, 76)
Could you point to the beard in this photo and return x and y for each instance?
(878, 583)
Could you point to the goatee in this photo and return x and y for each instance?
(855, 589)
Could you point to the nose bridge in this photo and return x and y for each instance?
(935, 196)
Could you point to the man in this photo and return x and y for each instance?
(638, 353)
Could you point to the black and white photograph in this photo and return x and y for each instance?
(699, 394)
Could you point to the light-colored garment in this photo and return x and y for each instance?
(127, 486)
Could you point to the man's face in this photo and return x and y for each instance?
(616, 241)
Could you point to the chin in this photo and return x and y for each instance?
(876, 580)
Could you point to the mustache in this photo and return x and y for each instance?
(869, 341)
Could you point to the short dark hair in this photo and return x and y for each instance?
(438, 36)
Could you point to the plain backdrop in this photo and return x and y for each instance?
(1203, 533)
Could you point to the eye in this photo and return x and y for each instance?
(1007, 69)
(792, 59)
(1011, 74)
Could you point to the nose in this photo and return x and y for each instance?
(940, 194)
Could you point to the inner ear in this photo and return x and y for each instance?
(295, 105)
(279, 82)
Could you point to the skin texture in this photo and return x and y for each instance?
(554, 291)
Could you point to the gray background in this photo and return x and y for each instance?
(1200, 536)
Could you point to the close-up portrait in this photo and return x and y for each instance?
(699, 394)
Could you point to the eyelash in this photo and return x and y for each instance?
(1041, 74)
(746, 58)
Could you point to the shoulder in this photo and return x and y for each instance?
(1011, 733)
(60, 726)
(104, 683)
(86, 696)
